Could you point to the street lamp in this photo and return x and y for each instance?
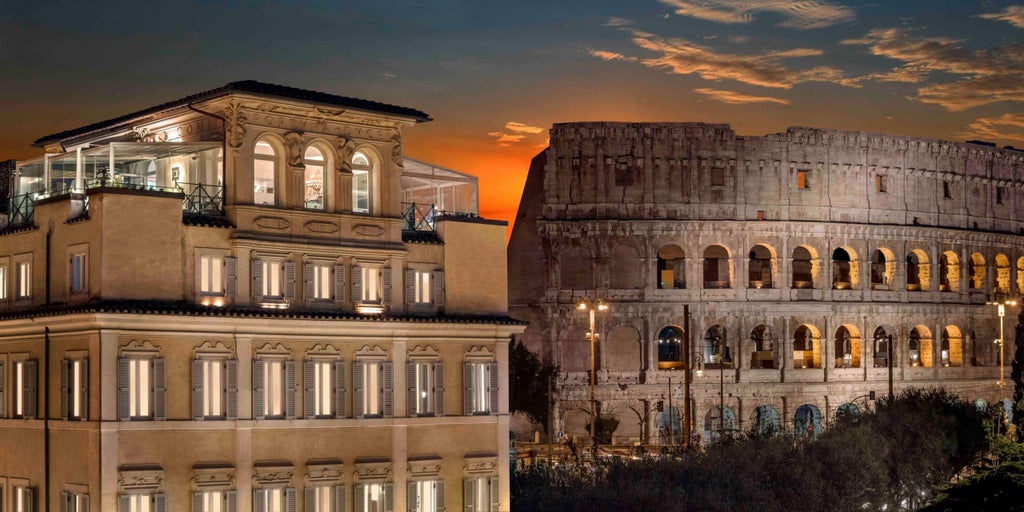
(1001, 308)
(592, 308)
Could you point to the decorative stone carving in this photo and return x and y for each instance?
(319, 226)
(345, 148)
(234, 125)
(293, 141)
(396, 149)
(368, 230)
(272, 222)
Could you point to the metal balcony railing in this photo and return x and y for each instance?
(418, 217)
(202, 199)
(21, 210)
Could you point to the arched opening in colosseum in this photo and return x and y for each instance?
(880, 347)
(575, 421)
(718, 426)
(761, 267)
(717, 271)
(763, 344)
(621, 349)
(949, 272)
(847, 347)
(804, 267)
(1020, 275)
(625, 268)
(806, 347)
(576, 268)
(844, 269)
(918, 272)
(952, 351)
(883, 269)
(766, 421)
(847, 412)
(670, 349)
(575, 350)
(920, 347)
(1002, 274)
(976, 272)
(807, 421)
(670, 429)
(971, 342)
(716, 348)
(671, 267)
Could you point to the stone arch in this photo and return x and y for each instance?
(716, 347)
(952, 349)
(765, 421)
(949, 272)
(806, 347)
(575, 420)
(880, 346)
(918, 271)
(805, 267)
(670, 348)
(883, 269)
(919, 345)
(847, 346)
(319, 159)
(575, 350)
(621, 349)
(847, 411)
(1020, 275)
(670, 426)
(366, 164)
(976, 272)
(576, 268)
(762, 344)
(671, 267)
(717, 268)
(624, 266)
(719, 423)
(807, 421)
(761, 266)
(1002, 274)
(844, 269)
(269, 154)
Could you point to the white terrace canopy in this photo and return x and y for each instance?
(448, 191)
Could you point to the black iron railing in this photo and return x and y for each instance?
(202, 199)
(21, 211)
(418, 217)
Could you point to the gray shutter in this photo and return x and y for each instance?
(492, 374)
(438, 389)
(389, 497)
(387, 390)
(259, 500)
(357, 283)
(411, 498)
(159, 389)
(258, 406)
(231, 498)
(438, 495)
(360, 498)
(385, 287)
(231, 274)
(410, 387)
(159, 502)
(123, 411)
(231, 391)
(437, 281)
(65, 391)
(339, 283)
(410, 286)
(289, 280)
(307, 280)
(308, 389)
(197, 389)
(31, 369)
(65, 498)
(1, 400)
(289, 389)
(83, 391)
(468, 493)
(123, 503)
(495, 496)
(339, 389)
(257, 280)
(309, 499)
(27, 494)
(85, 504)
(358, 368)
(467, 389)
(340, 498)
(289, 499)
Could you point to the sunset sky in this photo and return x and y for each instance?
(495, 76)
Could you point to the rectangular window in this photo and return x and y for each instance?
(274, 499)
(372, 403)
(760, 215)
(273, 389)
(140, 385)
(22, 499)
(371, 285)
(999, 195)
(423, 374)
(321, 281)
(323, 388)
(426, 495)
(373, 498)
(272, 270)
(717, 177)
(139, 502)
(373, 381)
(77, 273)
(273, 393)
(360, 191)
(24, 280)
(214, 388)
(880, 185)
(211, 501)
(421, 287)
(481, 387)
(75, 389)
(946, 192)
(325, 498)
(801, 179)
(25, 388)
(481, 494)
(211, 280)
(3, 282)
(74, 502)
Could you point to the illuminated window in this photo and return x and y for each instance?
(23, 282)
(362, 178)
(274, 499)
(880, 184)
(25, 382)
(74, 502)
(140, 388)
(314, 175)
(373, 381)
(481, 494)
(264, 170)
(370, 285)
(325, 498)
(273, 389)
(77, 273)
(426, 388)
(481, 387)
(74, 381)
(426, 496)
(3, 282)
(273, 280)
(22, 499)
(319, 281)
(801, 179)
(324, 391)
(371, 497)
(215, 388)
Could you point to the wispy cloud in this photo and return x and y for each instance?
(805, 14)
(986, 76)
(1006, 127)
(506, 139)
(1013, 15)
(605, 55)
(514, 133)
(522, 128)
(736, 98)
(618, 22)
(388, 76)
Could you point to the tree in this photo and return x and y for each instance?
(1017, 376)
(529, 380)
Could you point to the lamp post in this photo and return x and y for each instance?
(592, 308)
(1001, 308)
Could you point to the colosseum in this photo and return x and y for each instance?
(810, 262)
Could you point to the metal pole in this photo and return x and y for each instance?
(889, 348)
(593, 372)
(671, 420)
(721, 393)
(687, 376)
(1002, 341)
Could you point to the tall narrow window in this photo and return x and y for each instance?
(25, 382)
(371, 285)
(362, 182)
(314, 174)
(77, 273)
(24, 280)
(140, 388)
(3, 282)
(426, 495)
(22, 499)
(325, 498)
(264, 170)
(74, 381)
(372, 403)
(74, 502)
(324, 388)
(214, 388)
(372, 497)
(318, 281)
(1000, 192)
(274, 499)
(139, 385)
(880, 184)
(373, 382)
(481, 387)
(481, 494)
(211, 280)
(801, 179)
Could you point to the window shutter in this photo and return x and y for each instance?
(339, 283)
(385, 287)
(65, 498)
(437, 280)
(468, 493)
(309, 499)
(289, 499)
(1, 398)
(31, 399)
(438, 495)
(289, 280)
(26, 496)
(159, 502)
(339, 389)
(410, 386)
(259, 500)
(492, 374)
(159, 390)
(307, 280)
(410, 286)
(357, 283)
(411, 499)
(289, 390)
(387, 390)
(257, 390)
(495, 496)
(122, 389)
(123, 503)
(83, 391)
(438, 389)
(467, 389)
(389, 497)
(197, 389)
(340, 498)
(231, 498)
(357, 388)
(65, 394)
(308, 389)
(231, 393)
(231, 275)
(85, 504)
(360, 498)
(257, 280)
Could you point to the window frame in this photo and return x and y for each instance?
(4, 277)
(78, 269)
(206, 393)
(156, 391)
(803, 179)
(23, 285)
(369, 169)
(314, 395)
(75, 386)
(480, 386)
(324, 165)
(275, 160)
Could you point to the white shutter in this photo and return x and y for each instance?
(231, 276)
(495, 496)
(339, 389)
(437, 281)
(123, 413)
(410, 286)
(438, 495)
(468, 493)
(385, 287)
(339, 283)
(492, 374)
(410, 389)
(197, 389)
(65, 392)
(289, 499)
(259, 500)
(340, 498)
(308, 389)
(289, 280)
(387, 390)
(231, 391)
(307, 280)
(357, 388)
(159, 389)
(357, 283)
(289, 390)
(258, 406)
(257, 280)
(30, 369)
(438, 389)
(467, 389)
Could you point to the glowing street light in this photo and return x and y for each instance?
(1001, 305)
(592, 308)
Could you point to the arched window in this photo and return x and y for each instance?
(881, 275)
(716, 348)
(913, 273)
(976, 272)
(803, 276)
(716, 267)
(847, 348)
(766, 421)
(1020, 275)
(763, 345)
(807, 421)
(920, 345)
(671, 267)
(760, 271)
(881, 348)
(952, 353)
(264, 173)
(719, 424)
(670, 349)
(949, 272)
(843, 270)
(1002, 274)
(314, 177)
(806, 348)
(362, 182)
